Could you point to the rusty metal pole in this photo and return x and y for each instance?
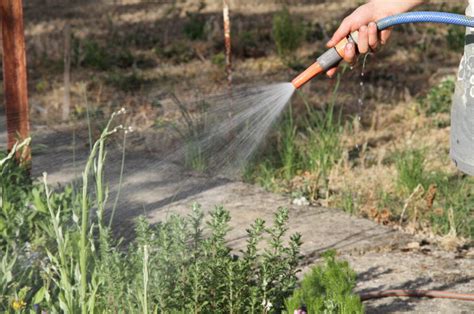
(14, 74)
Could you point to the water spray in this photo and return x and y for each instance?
(333, 56)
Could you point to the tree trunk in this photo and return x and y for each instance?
(14, 74)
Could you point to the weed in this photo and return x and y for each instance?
(288, 33)
(288, 150)
(438, 99)
(456, 193)
(89, 53)
(307, 149)
(178, 52)
(410, 169)
(249, 44)
(128, 82)
(324, 147)
(195, 27)
(95, 56)
(327, 288)
(387, 200)
(348, 202)
(218, 60)
(432, 195)
(456, 38)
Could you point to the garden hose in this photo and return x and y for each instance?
(334, 55)
(417, 294)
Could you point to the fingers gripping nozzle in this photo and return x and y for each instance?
(326, 61)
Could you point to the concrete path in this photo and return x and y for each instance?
(379, 254)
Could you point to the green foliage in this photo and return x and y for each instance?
(180, 265)
(288, 33)
(195, 27)
(288, 150)
(438, 99)
(327, 288)
(324, 147)
(127, 82)
(23, 218)
(410, 169)
(348, 202)
(95, 56)
(456, 38)
(456, 193)
(89, 53)
(452, 192)
(177, 52)
(218, 59)
(309, 145)
(251, 43)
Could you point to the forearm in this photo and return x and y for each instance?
(396, 7)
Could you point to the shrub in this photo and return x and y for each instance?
(327, 288)
(456, 38)
(95, 56)
(127, 82)
(178, 52)
(195, 27)
(178, 265)
(288, 33)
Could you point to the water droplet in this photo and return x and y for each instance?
(352, 68)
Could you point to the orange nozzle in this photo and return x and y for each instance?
(327, 60)
(307, 75)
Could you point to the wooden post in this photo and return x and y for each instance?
(227, 41)
(14, 74)
(67, 72)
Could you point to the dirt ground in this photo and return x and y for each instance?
(383, 257)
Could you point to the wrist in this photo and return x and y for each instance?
(384, 8)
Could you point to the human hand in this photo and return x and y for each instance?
(363, 20)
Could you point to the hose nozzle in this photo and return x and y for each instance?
(325, 62)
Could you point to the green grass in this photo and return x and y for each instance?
(410, 169)
(310, 144)
(127, 82)
(454, 192)
(348, 202)
(288, 34)
(438, 98)
(195, 27)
